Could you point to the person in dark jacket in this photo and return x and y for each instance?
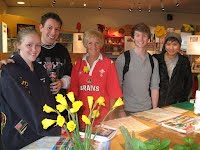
(175, 72)
(54, 56)
(24, 89)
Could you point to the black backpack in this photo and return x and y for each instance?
(127, 62)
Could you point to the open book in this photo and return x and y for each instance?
(183, 124)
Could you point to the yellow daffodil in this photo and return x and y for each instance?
(76, 106)
(48, 109)
(60, 107)
(71, 126)
(100, 101)
(47, 123)
(118, 103)
(86, 120)
(90, 101)
(188, 28)
(71, 97)
(160, 31)
(95, 114)
(86, 69)
(61, 99)
(60, 120)
(73, 117)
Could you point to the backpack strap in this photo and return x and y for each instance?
(151, 62)
(152, 67)
(127, 62)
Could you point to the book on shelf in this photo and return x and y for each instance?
(182, 123)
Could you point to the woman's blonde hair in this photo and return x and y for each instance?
(22, 33)
(93, 34)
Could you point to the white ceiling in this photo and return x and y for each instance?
(186, 6)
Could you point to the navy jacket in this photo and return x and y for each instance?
(22, 96)
(178, 88)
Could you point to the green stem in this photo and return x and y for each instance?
(70, 138)
(102, 123)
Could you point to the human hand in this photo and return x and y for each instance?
(6, 61)
(56, 86)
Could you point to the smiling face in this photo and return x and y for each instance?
(30, 47)
(140, 39)
(93, 47)
(172, 48)
(50, 31)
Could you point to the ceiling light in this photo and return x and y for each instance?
(130, 9)
(177, 4)
(84, 4)
(149, 10)
(53, 3)
(162, 5)
(99, 8)
(21, 3)
(140, 10)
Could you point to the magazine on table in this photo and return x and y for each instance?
(183, 124)
(101, 140)
(104, 132)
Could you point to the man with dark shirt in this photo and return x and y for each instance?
(54, 56)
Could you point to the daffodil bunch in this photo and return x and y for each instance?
(188, 28)
(160, 31)
(71, 125)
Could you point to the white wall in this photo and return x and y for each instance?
(109, 17)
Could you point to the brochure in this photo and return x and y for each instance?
(183, 124)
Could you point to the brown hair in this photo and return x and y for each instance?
(50, 15)
(141, 27)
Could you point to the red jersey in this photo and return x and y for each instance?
(102, 80)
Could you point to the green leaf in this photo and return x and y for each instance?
(152, 144)
(138, 144)
(180, 147)
(195, 146)
(189, 140)
(165, 144)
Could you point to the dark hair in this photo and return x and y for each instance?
(141, 27)
(172, 39)
(50, 15)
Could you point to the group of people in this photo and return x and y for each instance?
(149, 82)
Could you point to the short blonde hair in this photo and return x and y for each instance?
(92, 34)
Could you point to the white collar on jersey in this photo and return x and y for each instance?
(99, 58)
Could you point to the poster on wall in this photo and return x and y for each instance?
(78, 43)
(20, 26)
(184, 36)
(193, 44)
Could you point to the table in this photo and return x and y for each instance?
(156, 131)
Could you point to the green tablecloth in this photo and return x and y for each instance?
(184, 105)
